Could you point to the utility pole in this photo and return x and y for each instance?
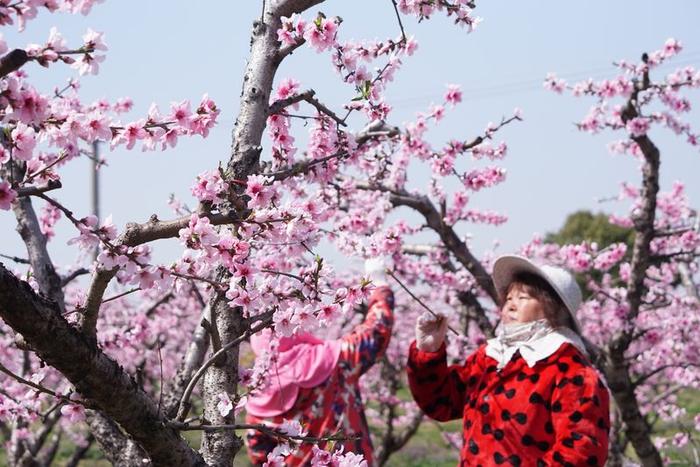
(95, 178)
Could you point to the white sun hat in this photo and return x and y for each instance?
(562, 281)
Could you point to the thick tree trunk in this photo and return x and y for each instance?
(220, 448)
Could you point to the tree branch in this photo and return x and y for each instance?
(447, 235)
(95, 376)
(13, 61)
(184, 405)
(616, 370)
(35, 190)
(308, 96)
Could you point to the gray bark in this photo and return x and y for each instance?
(117, 447)
(190, 364)
(220, 448)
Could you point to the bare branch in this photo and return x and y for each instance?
(375, 130)
(120, 295)
(36, 386)
(420, 302)
(34, 239)
(184, 402)
(13, 61)
(398, 18)
(271, 431)
(191, 362)
(137, 234)
(16, 259)
(80, 452)
(307, 96)
(644, 378)
(615, 367)
(69, 278)
(35, 190)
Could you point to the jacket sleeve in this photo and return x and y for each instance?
(368, 341)
(439, 390)
(580, 419)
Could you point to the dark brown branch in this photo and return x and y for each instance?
(138, 234)
(69, 278)
(289, 49)
(262, 428)
(373, 131)
(80, 452)
(644, 378)
(307, 96)
(35, 386)
(16, 259)
(13, 61)
(398, 18)
(120, 295)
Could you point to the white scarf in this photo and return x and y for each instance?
(535, 341)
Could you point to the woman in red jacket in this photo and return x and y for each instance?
(529, 396)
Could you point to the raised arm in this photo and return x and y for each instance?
(367, 343)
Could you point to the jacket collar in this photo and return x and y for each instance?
(539, 347)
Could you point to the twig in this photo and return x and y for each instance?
(38, 387)
(388, 271)
(78, 272)
(262, 428)
(55, 407)
(16, 259)
(121, 295)
(216, 285)
(286, 274)
(398, 17)
(183, 409)
(166, 298)
(160, 361)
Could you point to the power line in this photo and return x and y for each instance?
(532, 84)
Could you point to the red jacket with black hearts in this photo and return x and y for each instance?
(555, 413)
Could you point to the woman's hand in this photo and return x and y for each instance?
(430, 332)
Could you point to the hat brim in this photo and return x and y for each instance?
(505, 268)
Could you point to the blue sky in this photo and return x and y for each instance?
(168, 51)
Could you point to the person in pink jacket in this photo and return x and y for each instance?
(315, 382)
